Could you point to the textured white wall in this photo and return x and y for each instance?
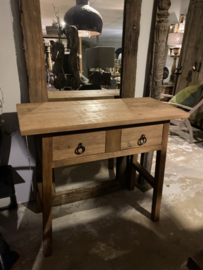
(146, 18)
(9, 80)
(13, 81)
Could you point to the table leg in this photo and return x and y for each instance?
(159, 175)
(132, 177)
(47, 195)
(111, 163)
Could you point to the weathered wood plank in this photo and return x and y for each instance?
(47, 195)
(33, 48)
(55, 96)
(53, 117)
(159, 175)
(84, 193)
(113, 140)
(131, 32)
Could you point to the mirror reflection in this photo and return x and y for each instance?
(82, 44)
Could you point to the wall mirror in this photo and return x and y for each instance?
(87, 59)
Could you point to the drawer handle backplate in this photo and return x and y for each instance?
(142, 140)
(80, 149)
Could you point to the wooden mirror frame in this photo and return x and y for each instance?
(34, 50)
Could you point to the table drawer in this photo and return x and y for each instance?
(68, 146)
(141, 136)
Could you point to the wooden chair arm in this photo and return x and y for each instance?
(179, 105)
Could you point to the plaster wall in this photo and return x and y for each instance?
(145, 26)
(13, 82)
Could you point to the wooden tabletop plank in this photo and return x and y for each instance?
(82, 95)
(53, 117)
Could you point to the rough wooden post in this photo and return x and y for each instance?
(34, 50)
(131, 32)
(157, 65)
(192, 54)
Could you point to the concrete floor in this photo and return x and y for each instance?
(114, 232)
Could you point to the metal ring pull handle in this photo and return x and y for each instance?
(142, 140)
(80, 149)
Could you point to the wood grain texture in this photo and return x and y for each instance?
(159, 175)
(54, 117)
(87, 192)
(113, 140)
(144, 173)
(54, 96)
(47, 195)
(64, 146)
(130, 136)
(131, 32)
(84, 159)
(34, 51)
(159, 49)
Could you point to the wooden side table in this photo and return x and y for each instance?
(83, 131)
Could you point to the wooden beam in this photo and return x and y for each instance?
(157, 65)
(131, 32)
(159, 175)
(148, 177)
(47, 151)
(34, 50)
(87, 192)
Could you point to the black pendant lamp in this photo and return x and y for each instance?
(87, 20)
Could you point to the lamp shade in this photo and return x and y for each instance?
(87, 20)
(175, 38)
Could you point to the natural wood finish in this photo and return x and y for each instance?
(131, 32)
(40, 190)
(159, 175)
(130, 136)
(113, 140)
(64, 146)
(87, 192)
(34, 50)
(144, 173)
(53, 117)
(80, 54)
(47, 195)
(54, 96)
(157, 65)
(81, 159)
(132, 178)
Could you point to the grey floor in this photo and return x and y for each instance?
(114, 232)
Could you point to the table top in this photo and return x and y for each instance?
(82, 95)
(54, 117)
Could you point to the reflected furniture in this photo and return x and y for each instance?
(83, 95)
(76, 132)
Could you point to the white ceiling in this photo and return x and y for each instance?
(111, 12)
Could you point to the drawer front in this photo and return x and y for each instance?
(141, 136)
(68, 146)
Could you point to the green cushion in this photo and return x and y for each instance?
(188, 96)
